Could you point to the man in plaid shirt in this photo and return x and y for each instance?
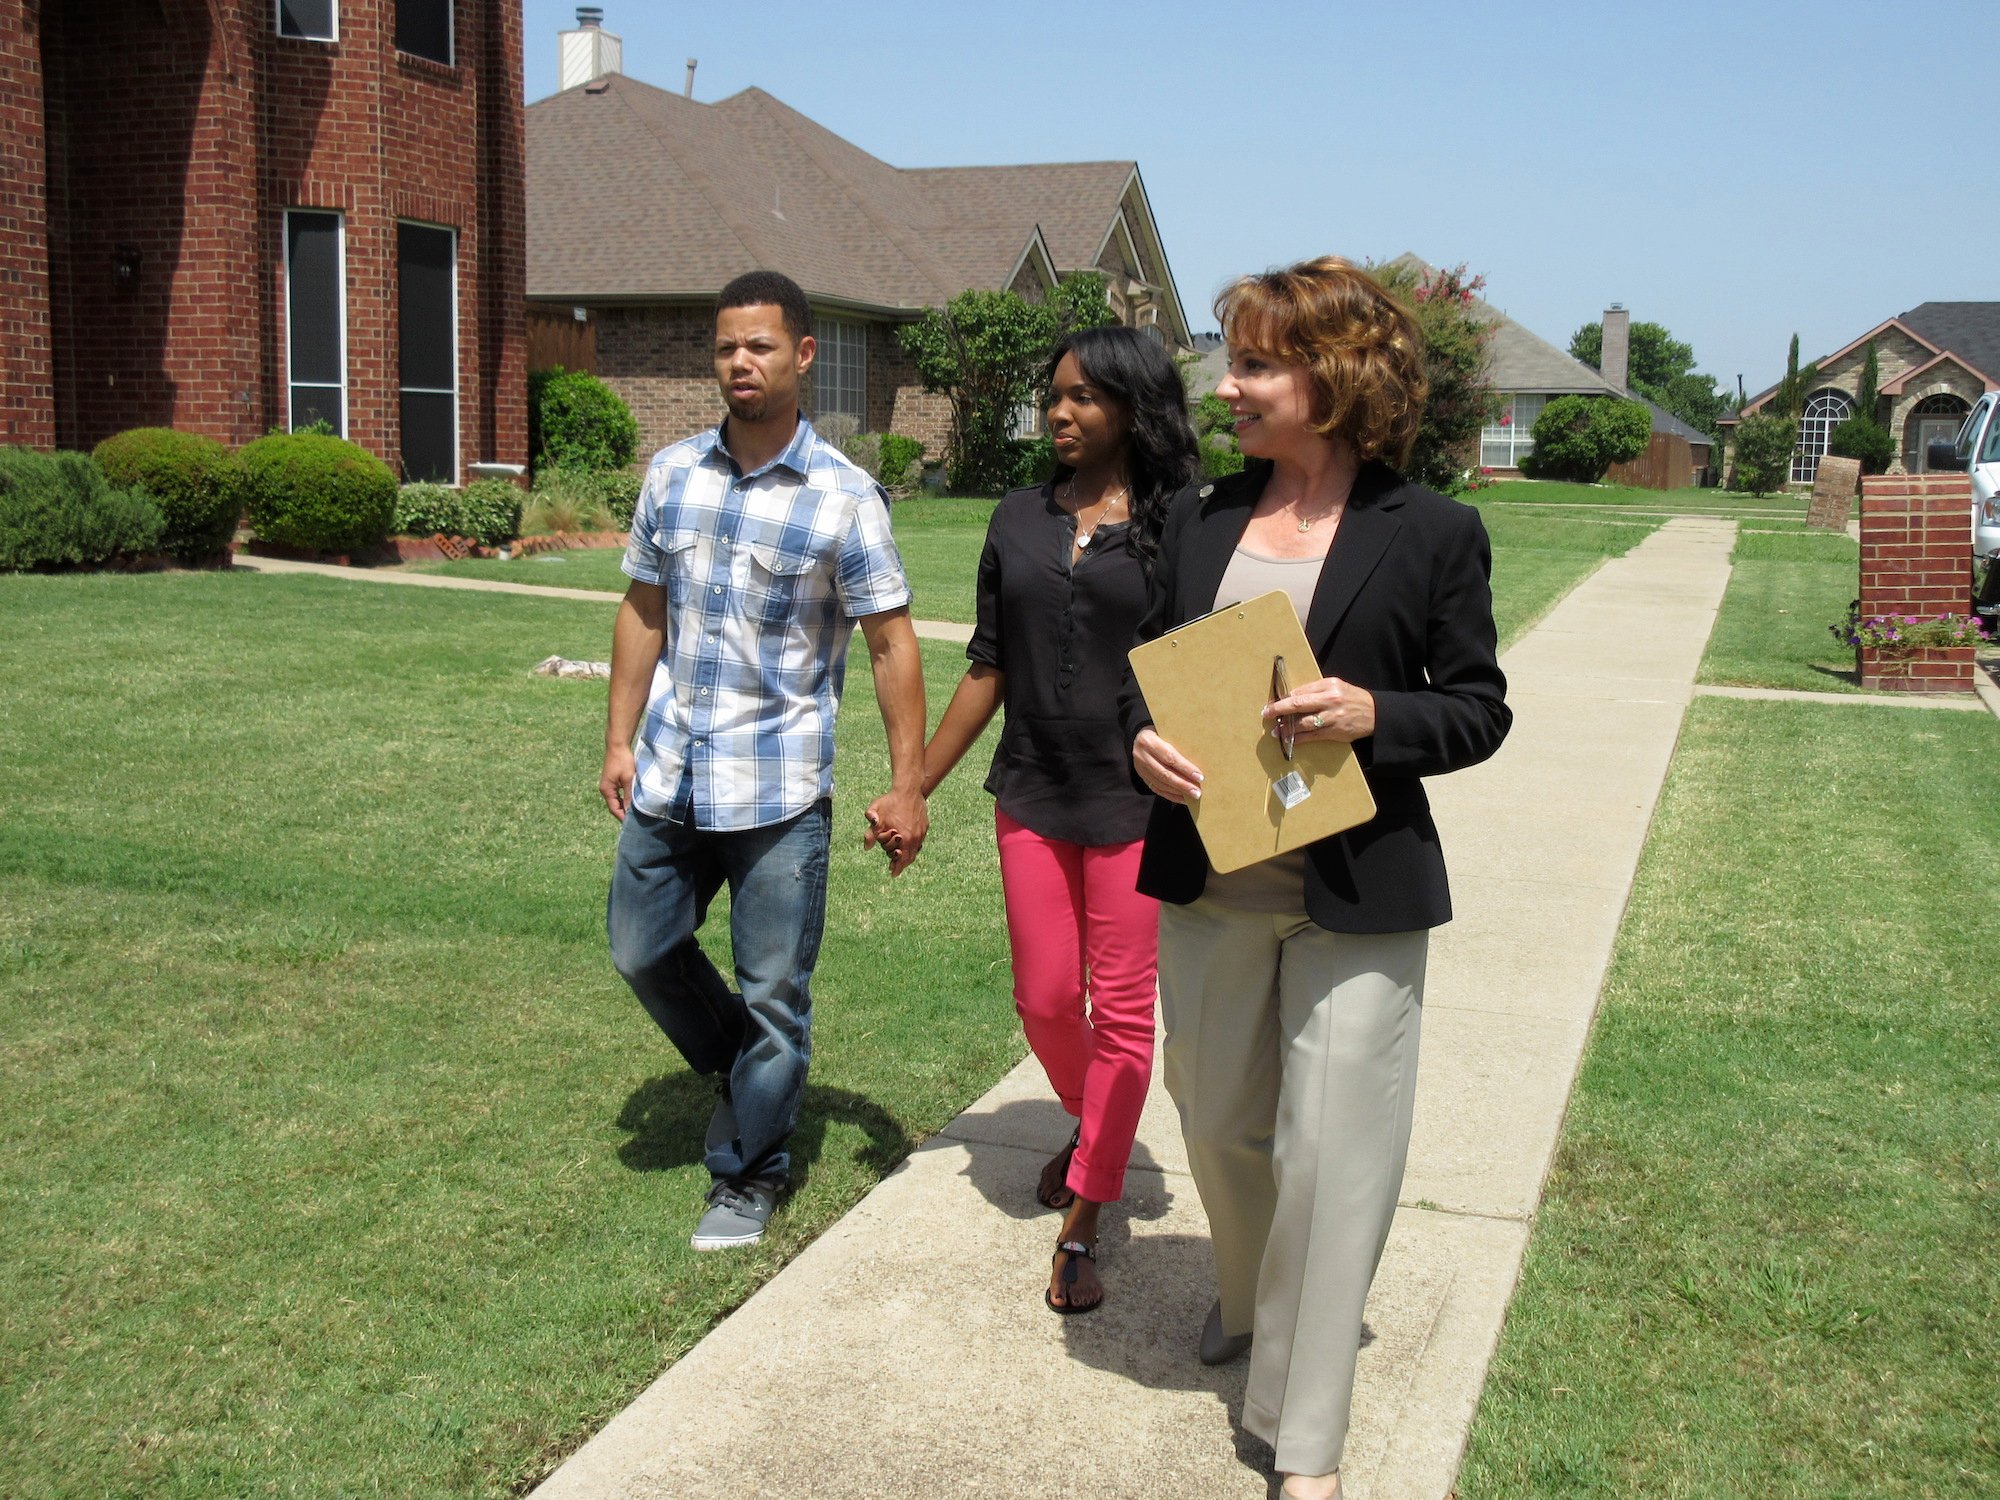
(756, 549)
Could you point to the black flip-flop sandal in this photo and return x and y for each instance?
(1075, 1248)
(1065, 1156)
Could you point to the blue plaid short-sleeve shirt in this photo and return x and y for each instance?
(765, 573)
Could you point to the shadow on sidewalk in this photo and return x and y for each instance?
(668, 1117)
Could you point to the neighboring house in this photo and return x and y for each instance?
(643, 203)
(1933, 362)
(232, 215)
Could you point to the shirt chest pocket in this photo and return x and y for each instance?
(782, 580)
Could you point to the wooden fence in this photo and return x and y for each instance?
(1667, 464)
(555, 337)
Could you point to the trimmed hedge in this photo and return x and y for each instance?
(487, 511)
(57, 510)
(319, 494)
(576, 421)
(619, 489)
(1865, 439)
(196, 482)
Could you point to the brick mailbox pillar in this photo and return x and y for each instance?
(1916, 559)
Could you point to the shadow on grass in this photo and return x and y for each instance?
(668, 1117)
(1847, 675)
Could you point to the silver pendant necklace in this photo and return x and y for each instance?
(1104, 518)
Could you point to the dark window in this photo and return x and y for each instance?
(423, 29)
(313, 20)
(427, 351)
(317, 342)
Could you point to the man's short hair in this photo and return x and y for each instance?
(770, 289)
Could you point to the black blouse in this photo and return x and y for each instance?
(1063, 768)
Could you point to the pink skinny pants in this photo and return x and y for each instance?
(1086, 949)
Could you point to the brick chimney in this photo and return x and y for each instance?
(589, 52)
(1615, 361)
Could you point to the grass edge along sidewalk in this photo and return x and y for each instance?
(1763, 1261)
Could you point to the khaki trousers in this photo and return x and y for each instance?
(1291, 1053)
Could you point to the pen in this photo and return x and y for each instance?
(1281, 687)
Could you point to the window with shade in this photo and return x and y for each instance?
(424, 29)
(427, 351)
(840, 368)
(315, 320)
(309, 20)
(1505, 440)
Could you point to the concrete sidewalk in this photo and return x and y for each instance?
(907, 1351)
(928, 630)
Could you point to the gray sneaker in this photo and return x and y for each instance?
(737, 1213)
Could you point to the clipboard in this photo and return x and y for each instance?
(1207, 684)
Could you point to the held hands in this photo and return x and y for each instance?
(897, 824)
(1163, 768)
(615, 784)
(1328, 709)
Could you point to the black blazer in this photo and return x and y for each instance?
(1404, 608)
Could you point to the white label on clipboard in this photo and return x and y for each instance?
(1291, 789)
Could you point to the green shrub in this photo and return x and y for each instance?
(1578, 437)
(318, 493)
(864, 451)
(1034, 460)
(490, 511)
(576, 421)
(566, 502)
(1218, 459)
(1764, 447)
(196, 482)
(428, 510)
(1215, 431)
(901, 463)
(57, 509)
(1866, 439)
(619, 490)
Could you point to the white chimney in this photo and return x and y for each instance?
(589, 52)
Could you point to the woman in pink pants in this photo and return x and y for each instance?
(1062, 584)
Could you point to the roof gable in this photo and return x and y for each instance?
(635, 193)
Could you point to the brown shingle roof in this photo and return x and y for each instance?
(637, 193)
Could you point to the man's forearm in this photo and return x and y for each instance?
(899, 691)
(635, 651)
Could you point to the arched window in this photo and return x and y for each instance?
(1936, 418)
(1825, 410)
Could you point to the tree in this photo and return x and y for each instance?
(1764, 446)
(1863, 438)
(1871, 381)
(1661, 368)
(1789, 400)
(986, 351)
(1456, 363)
(1579, 437)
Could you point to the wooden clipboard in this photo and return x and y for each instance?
(1207, 684)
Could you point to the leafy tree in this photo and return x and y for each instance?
(1764, 447)
(1457, 360)
(1579, 437)
(986, 352)
(1661, 368)
(1215, 431)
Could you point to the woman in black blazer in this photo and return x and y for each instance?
(1292, 991)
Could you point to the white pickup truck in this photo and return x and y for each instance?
(1976, 450)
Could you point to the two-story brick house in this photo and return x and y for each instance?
(229, 216)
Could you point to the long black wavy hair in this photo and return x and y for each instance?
(1160, 452)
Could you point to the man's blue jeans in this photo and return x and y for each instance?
(760, 1034)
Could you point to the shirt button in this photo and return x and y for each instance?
(718, 588)
(726, 541)
(704, 692)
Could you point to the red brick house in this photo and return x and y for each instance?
(233, 215)
(643, 203)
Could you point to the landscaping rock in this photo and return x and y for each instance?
(557, 666)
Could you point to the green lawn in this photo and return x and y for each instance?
(334, 1159)
(1538, 557)
(1784, 591)
(1687, 502)
(1765, 1265)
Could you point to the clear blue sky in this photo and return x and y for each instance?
(1737, 172)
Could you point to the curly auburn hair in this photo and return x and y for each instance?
(1363, 349)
